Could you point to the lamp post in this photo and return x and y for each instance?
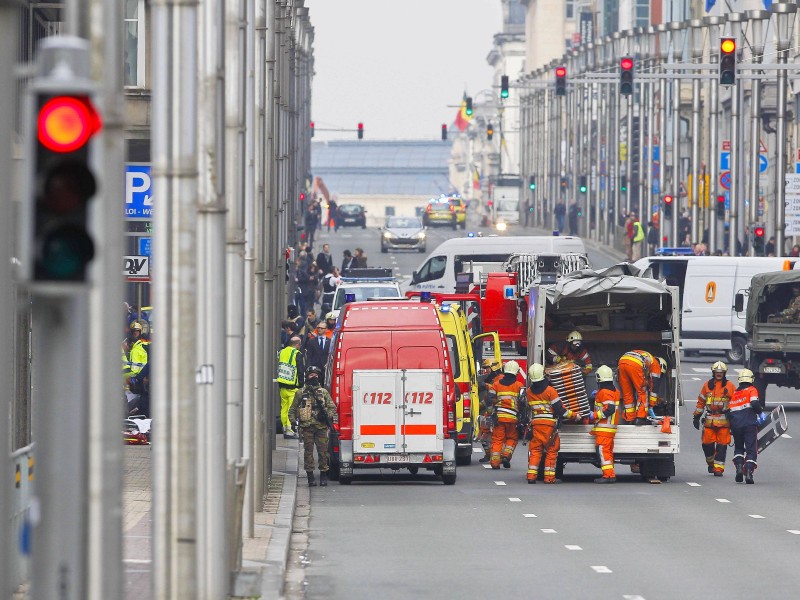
(758, 20)
(716, 228)
(607, 110)
(616, 45)
(597, 92)
(678, 30)
(697, 27)
(663, 34)
(647, 158)
(784, 22)
(736, 228)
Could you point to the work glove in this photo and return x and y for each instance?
(762, 418)
(696, 422)
(593, 395)
(590, 418)
(651, 413)
(556, 360)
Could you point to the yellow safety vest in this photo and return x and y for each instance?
(287, 366)
(638, 236)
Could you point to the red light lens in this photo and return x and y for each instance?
(759, 231)
(361, 126)
(561, 72)
(667, 199)
(66, 123)
(626, 64)
(721, 199)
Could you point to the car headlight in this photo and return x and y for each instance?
(501, 226)
(386, 235)
(421, 235)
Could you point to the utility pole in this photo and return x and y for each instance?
(716, 229)
(678, 34)
(696, 50)
(737, 197)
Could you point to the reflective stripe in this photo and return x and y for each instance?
(606, 428)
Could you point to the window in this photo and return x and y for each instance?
(642, 16)
(570, 9)
(455, 359)
(134, 43)
(433, 269)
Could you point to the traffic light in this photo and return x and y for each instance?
(532, 182)
(311, 125)
(727, 61)
(668, 202)
(57, 246)
(302, 196)
(361, 131)
(504, 86)
(582, 184)
(561, 81)
(444, 132)
(563, 183)
(626, 76)
(758, 241)
(489, 132)
(623, 183)
(468, 110)
(721, 208)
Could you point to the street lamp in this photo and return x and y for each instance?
(784, 22)
(678, 30)
(715, 27)
(698, 38)
(758, 21)
(663, 36)
(736, 223)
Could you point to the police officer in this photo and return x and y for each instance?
(313, 408)
(492, 369)
(744, 408)
(290, 377)
(714, 399)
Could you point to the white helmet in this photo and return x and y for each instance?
(574, 336)
(746, 376)
(604, 374)
(511, 367)
(663, 364)
(536, 372)
(719, 366)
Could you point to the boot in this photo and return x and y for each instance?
(311, 481)
(506, 462)
(739, 477)
(323, 478)
(531, 481)
(748, 474)
(710, 468)
(606, 480)
(485, 459)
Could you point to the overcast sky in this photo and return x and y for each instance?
(400, 67)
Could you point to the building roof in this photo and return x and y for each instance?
(396, 167)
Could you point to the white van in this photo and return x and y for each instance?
(438, 272)
(707, 287)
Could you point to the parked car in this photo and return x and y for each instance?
(352, 214)
(403, 233)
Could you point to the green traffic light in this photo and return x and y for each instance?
(583, 189)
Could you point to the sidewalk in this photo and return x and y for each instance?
(263, 557)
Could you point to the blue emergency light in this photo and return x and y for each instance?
(471, 234)
(674, 252)
(445, 307)
(556, 233)
(424, 296)
(349, 298)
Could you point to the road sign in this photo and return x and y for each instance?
(656, 188)
(763, 162)
(725, 180)
(724, 161)
(792, 209)
(726, 145)
(136, 268)
(145, 246)
(138, 196)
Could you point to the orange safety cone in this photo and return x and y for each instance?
(665, 425)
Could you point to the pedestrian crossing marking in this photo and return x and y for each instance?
(514, 500)
(723, 501)
(499, 482)
(601, 569)
(707, 369)
(529, 515)
(756, 516)
(572, 547)
(693, 484)
(548, 531)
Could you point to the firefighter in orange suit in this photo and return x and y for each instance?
(604, 416)
(492, 369)
(639, 375)
(743, 411)
(544, 407)
(715, 398)
(506, 392)
(573, 350)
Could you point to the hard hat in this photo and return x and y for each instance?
(536, 372)
(330, 316)
(604, 374)
(574, 336)
(746, 376)
(136, 325)
(312, 370)
(719, 366)
(490, 363)
(663, 364)
(511, 367)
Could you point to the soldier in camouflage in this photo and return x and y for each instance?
(313, 407)
(790, 314)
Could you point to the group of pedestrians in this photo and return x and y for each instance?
(135, 350)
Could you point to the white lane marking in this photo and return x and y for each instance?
(137, 561)
(757, 516)
(601, 569)
(514, 500)
(487, 466)
(696, 379)
(529, 515)
(723, 500)
(794, 531)
(572, 547)
(477, 450)
(786, 435)
(499, 482)
(548, 531)
(693, 484)
(632, 597)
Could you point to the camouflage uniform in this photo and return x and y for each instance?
(790, 314)
(313, 431)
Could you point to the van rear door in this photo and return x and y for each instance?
(707, 304)
(397, 411)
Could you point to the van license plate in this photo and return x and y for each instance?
(398, 458)
(772, 369)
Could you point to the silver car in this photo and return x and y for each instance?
(403, 233)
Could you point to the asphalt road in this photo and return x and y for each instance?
(397, 536)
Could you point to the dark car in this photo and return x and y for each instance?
(352, 214)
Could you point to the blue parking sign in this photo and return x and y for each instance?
(138, 195)
(145, 246)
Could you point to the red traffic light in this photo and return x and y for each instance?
(361, 126)
(561, 72)
(302, 196)
(66, 123)
(668, 199)
(626, 64)
(721, 199)
(759, 231)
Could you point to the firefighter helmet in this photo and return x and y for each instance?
(663, 364)
(604, 374)
(512, 367)
(746, 376)
(330, 316)
(490, 363)
(575, 337)
(536, 372)
(719, 366)
(136, 325)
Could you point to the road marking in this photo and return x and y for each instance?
(477, 450)
(487, 466)
(794, 531)
(499, 482)
(696, 379)
(693, 484)
(630, 597)
(757, 516)
(571, 547)
(548, 531)
(601, 569)
(137, 561)
(529, 515)
(514, 500)
(786, 435)
(723, 500)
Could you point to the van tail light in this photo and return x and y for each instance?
(452, 208)
(451, 420)
(467, 399)
(428, 208)
(429, 458)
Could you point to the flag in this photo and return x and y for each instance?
(462, 118)
(476, 179)
(710, 4)
(767, 3)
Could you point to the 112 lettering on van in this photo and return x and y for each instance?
(386, 398)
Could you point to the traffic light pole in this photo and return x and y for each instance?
(716, 229)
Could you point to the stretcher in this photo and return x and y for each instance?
(772, 428)
(567, 379)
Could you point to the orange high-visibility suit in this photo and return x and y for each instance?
(504, 434)
(715, 398)
(544, 405)
(581, 357)
(638, 374)
(605, 413)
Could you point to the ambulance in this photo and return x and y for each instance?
(390, 375)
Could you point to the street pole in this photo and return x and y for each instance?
(716, 227)
(664, 36)
(678, 34)
(784, 21)
(648, 158)
(616, 42)
(628, 131)
(758, 20)
(737, 200)
(697, 40)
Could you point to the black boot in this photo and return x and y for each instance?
(310, 476)
(485, 459)
(748, 474)
(506, 462)
(739, 477)
(323, 478)
(710, 468)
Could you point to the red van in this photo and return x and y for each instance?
(390, 377)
